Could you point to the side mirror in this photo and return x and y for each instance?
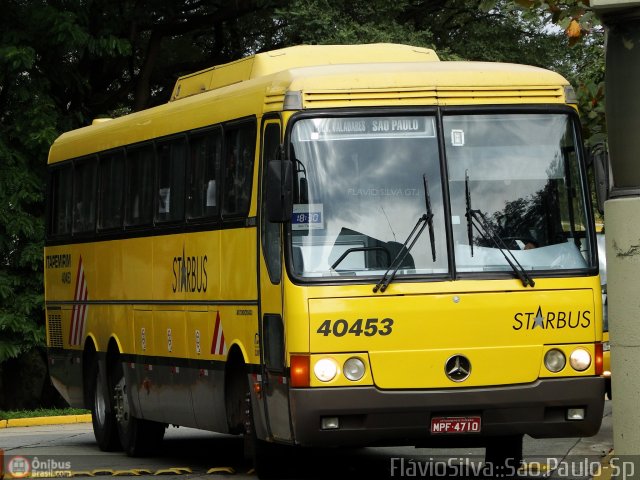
(602, 171)
(279, 191)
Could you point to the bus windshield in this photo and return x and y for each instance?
(363, 183)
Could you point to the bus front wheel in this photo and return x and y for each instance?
(267, 457)
(504, 454)
(138, 437)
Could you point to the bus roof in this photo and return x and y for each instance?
(339, 76)
(267, 63)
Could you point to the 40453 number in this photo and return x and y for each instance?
(369, 327)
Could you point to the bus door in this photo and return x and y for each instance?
(275, 389)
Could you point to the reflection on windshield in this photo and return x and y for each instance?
(525, 179)
(363, 191)
(359, 191)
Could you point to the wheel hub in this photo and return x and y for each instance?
(121, 402)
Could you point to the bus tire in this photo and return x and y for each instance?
(267, 457)
(138, 437)
(504, 454)
(102, 415)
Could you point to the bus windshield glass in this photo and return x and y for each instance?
(360, 192)
(522, 175)
(363, 184)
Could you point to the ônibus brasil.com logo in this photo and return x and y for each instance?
(23, 467)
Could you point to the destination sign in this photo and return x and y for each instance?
(365, 127)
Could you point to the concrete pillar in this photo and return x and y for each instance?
(622, 230)
(622, 217)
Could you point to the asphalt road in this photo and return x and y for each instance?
(192, 453)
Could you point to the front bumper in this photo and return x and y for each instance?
(369, 416)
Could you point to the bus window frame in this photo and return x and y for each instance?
(581, 155)
(274, 266)
(154, 227)
(238, 124)
(139, 147)
(52, 206)
(160, 223)
(214, 218)
(427, 110)
(102, 158)
(77, 162)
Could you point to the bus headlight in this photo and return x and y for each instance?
(354, 369)
(325, 369)
(580, 359)
(554, 360)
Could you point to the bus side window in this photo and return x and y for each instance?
(270, 232)
(172, 156)
(239, 154)
(111, 191)
(84, 196)
(140, 176)
(61, 189)
(205, 151)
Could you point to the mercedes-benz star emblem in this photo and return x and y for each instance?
(458, 368)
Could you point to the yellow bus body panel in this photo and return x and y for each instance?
(138, 283)
(504, 333)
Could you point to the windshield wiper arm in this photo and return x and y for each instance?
(477, 220)
(427, 200)
(402, 253)
(467, 196)
(423, 221)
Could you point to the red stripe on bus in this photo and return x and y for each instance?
(215, 334)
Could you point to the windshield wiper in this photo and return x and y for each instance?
(427, 201)
(467, 196)
(477, 220)
(423, 221)
(402, 253)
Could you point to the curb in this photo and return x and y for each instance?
(37, 421)
(605, 472)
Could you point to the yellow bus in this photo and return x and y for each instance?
(330, 246)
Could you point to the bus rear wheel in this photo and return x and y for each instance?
(138, 437)
(102, 415)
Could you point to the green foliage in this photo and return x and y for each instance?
(41, 412)
(526, 31)
(583, 50)
(62, 64)
(356, 21)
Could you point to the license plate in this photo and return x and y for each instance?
(455, 425)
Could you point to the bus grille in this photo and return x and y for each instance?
(55, 330)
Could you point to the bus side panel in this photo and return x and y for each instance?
(207, 381)
(238, 265)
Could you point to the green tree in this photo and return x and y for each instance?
(525, 31)
(584, 34)
(65, 62)
(27, 119)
